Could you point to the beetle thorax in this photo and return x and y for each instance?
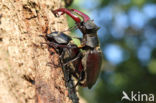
(92, 41)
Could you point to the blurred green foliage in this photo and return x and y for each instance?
(131, 26)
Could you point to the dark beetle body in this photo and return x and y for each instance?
(67, 51)
(91, 41)
(92, 55)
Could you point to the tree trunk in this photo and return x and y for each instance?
(22, 59)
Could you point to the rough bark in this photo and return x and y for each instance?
(22, 59)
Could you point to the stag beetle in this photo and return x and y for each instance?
(92, 55)
(70, 54)
(70, 59)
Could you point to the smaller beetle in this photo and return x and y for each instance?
(70, 54)
(70, 59)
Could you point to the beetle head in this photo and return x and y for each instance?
(88, 27)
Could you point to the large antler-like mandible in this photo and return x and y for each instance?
(68, 12)
(84, 16)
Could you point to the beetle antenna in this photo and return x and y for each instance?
(71, 28)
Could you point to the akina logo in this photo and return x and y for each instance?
(137, 96)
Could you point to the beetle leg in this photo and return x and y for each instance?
(52, 44)
(68, 12)
(61, 56)
(55, 46)
(72, 86)
(84, 16)
(78, 83)
(72, 60)
(48, 43)
(42, 36)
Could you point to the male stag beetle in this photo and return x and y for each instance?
(92, 55)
